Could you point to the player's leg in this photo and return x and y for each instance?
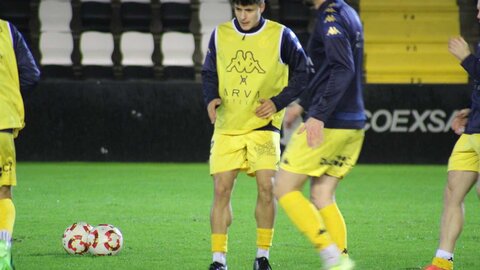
(339, 156)
(458, 185)
(227, 157)
(298, 161)
(221, 214)
(7, 220)
(7, 208)
(323, 197)
(306, 218)
(263, 155)
(478, 188)
(7, 213)
(265, 216)
(462, 175)
(265, 208)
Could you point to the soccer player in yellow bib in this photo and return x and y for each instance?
(464, 162)
(18, 71)
(326, 147)
(246, 86)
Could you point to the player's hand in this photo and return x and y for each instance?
(266, 109)
(292, 112)
(459, 48)
(460, 121)
(212, 109)
(314, 128)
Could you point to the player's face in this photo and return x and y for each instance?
(478, 8)
(248, 16)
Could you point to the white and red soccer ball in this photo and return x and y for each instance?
(102, 240)
(75, 238)
(105, 240)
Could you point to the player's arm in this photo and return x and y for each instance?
(460, 49)
(305, 98)
(28, 71)
(460, 121)
(294, 56)
(339, 56)
(342, 69)
(298, 107)
(292, 112)
(210, 80)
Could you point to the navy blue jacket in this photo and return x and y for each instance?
(472, 65)
(334, 94)
(291, 53)
(28, 71)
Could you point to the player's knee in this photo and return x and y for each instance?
(280, 190)
(452, 198)
(448, 192)
(266, 194)
(222, 191)
(5, 192)
(265, 188)
(321, 201)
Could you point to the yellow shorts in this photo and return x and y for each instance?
(7, 160)
(465, 155)
(336, 156)
(250, 152)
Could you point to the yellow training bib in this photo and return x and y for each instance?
(249, 68)
(11, 103)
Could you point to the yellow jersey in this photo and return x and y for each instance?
(11, 103)
(249, 68)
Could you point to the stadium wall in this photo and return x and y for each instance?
(152, 121)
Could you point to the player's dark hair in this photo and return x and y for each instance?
(247, 2)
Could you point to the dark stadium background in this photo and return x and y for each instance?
(130, 113)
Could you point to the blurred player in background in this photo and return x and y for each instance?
(18, 71)
(327, 145)
(463, 164)
(246, 86)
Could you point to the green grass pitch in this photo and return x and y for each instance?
(392, 213)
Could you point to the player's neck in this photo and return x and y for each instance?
(254, 29)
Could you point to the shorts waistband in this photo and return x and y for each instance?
(8, 130)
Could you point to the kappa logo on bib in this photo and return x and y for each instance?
(245, 62)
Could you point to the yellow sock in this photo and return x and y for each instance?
(442, 263)
(219, 243)
(335, 225)
(305, 216)
(264, 238)
(7, 215)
